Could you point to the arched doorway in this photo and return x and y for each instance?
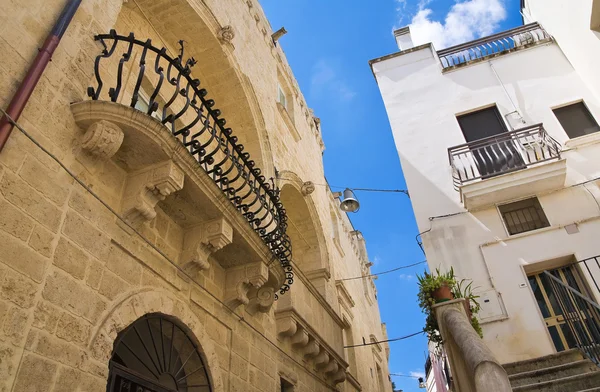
(156, 354)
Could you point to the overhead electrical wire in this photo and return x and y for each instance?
(384, 272)
(386, 341)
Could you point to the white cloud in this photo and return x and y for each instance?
(406, 276)
(466, 20)
(376, 260)
(326, 82)
(417, 374)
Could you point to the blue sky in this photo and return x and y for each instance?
(328, 45)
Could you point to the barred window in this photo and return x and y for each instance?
(523, 215)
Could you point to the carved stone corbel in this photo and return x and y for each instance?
(286, 327)
(240, 280)
(322, 359)
(263, 301)
(339, 376)
(300, 338)
(201, 241)
(146, 187)
(331, 368)
(102, 139)
(312, 349)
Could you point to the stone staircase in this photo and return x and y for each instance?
(568, 371)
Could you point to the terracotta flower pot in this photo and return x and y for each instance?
(442, 294)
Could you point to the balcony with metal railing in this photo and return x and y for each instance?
(494, 45)
(482, 164)
(156, 92)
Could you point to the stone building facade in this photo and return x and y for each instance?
(143, 241)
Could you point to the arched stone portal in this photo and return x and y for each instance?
(308, 245)
(145, 305)
(157, 353)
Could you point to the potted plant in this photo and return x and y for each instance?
(439, 287)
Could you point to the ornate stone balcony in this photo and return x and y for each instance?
(152, 118)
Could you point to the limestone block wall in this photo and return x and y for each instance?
(72, 275)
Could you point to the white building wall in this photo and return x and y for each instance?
(422, 104)
(569, 23)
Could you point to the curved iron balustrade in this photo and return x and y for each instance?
(195, 122)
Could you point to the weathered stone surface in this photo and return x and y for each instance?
(35, 374)
(15, 325)
(22, 258)
(65, 292)
(73, 329)
(70, 258)
(53, 185)
(17, 288)
(27, 199)
(42, 241)
(15, 222)
(77, 381)
(46, 316)
(85, 235)
(54, 348)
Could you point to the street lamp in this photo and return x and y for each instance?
(348, 203)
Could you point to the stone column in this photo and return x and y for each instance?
(474, 367)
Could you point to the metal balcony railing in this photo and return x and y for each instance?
(493, 45)
(172, 96)
(500, 154)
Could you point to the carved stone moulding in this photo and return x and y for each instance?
(146, 187)
(306, 342)
(201, 241)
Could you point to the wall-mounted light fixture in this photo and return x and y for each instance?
(348, 203)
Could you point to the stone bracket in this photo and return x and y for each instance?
(201, 241)
(146, 187)
(240, 280)
(305, 341)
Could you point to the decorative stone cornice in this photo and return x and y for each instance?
(146, 187)
(201, 241)
(309, 344)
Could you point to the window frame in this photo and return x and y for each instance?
(587, 111)
(505, 223)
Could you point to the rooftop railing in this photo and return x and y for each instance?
(501, 154)
(148, 79)
(507, 41)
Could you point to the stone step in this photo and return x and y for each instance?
(552, 373)
(579, 382)
(561, 358)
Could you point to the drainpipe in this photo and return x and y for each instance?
(21, 97)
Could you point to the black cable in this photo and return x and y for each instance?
(384, 272)
(404, 375)
(386, 341)
(185, 273)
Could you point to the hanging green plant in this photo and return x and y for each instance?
(439, 287)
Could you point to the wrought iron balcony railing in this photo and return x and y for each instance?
(502, 154)
(176, 99)
(493, 45)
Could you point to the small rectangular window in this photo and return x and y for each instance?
(524, 215)
(286, 386)
(282, 99)
(576, 120)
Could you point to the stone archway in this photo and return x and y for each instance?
(217, 68)
(304, 227)
(146, 302)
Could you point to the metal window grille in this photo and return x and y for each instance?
(524, 215)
